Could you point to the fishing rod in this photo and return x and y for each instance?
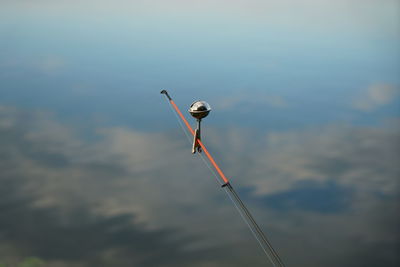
(200, 110)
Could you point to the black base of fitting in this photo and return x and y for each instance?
(225, 184)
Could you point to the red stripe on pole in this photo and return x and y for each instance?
(221, 174)
(182, 117)
(213, 162)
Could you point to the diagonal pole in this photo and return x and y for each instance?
(222, 175)
(249, 219)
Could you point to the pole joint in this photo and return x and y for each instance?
(226, 184)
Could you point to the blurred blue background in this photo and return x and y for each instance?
(95, 170)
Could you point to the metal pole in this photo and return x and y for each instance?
(276, 259)
(267, 247)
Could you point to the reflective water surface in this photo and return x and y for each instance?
(96, 171)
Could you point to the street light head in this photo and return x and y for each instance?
(199, 109)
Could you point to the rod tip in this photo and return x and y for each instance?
(165, 93)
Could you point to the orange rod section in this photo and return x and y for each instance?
(182, 117)
(213, 162)
(200, 143)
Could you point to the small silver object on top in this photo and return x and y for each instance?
(199, 110)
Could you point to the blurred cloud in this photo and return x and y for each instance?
(38, 64)
(242, 99)
(360, 157)
(131, 197)
(376, 96)
(95, 201)
(51, 63)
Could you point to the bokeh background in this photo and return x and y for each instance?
(95, 170)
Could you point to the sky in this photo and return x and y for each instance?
(96, 171)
